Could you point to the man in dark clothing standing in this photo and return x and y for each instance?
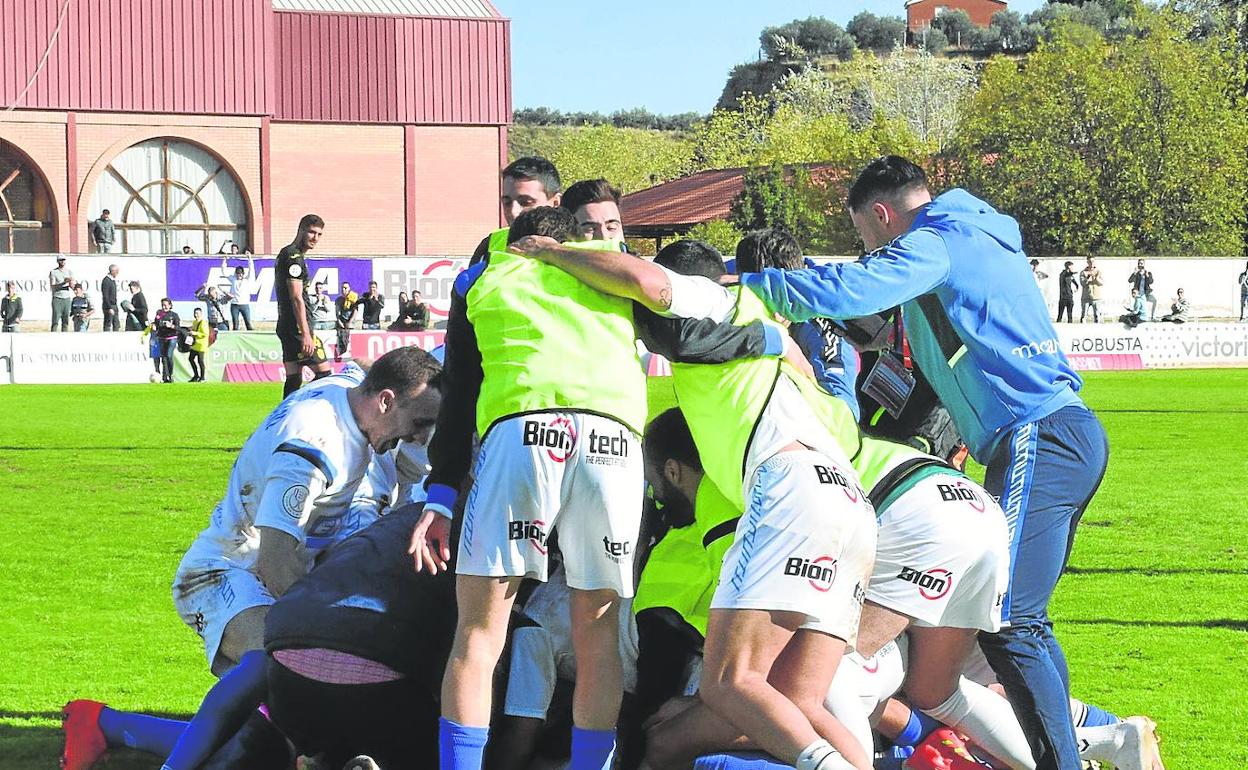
(300, 347)
(1142, 281)
(344, 312)
(371, 304)
(1066, 285)
(103, 233)
(110, 287)
(10, 309)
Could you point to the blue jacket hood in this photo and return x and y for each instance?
(958, 208)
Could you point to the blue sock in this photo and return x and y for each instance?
(1098, 717)
(140, 731)
(225, 709)
(738, 761)
(919, 727)
(460, 747)
(895, 758)
(592, 749)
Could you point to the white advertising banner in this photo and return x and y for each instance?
(1092, 347)
(433, 277)
(31, 275)
(120, 357)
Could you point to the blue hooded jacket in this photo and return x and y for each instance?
(977, 323)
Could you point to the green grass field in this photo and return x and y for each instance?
(105, 486)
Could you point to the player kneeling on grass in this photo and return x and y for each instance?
(353, 656)
(792, 583)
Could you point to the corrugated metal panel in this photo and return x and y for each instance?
(391, 69)
(194, 56)
(464, 8)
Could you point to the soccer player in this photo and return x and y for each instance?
(527, 183)
(300, 347)
(979, 330)
(792, 582)
(596, 205)
(289, 494)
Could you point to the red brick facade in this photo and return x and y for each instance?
(919, 13)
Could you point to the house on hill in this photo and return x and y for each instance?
(920, 13)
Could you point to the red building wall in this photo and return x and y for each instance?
(179, 56)
(919, 14)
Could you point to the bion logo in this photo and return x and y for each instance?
(933, 584)
(835, 476)
(558, 438)
(533, 531)
(820, 572)
(950, 493)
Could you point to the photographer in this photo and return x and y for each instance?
(213, 301)
(322, 309)
(167, 326)
(371, 304)
(135, 309)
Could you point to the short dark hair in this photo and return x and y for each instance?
(310, 220)
(689, 257)
(589, 191)
(769, 248)
(1068, 264)
(402, 370)
(105, 211)
(668, 438)
(535, 167)
(163, 300)
(557, 223)
(135, 285)
(885, 177)
(1034, 263)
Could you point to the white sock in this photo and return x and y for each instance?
(845, 701)
(987, 719)
(821, 756)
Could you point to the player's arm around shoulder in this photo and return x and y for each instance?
(610, 272)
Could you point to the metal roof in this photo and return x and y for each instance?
(465, 8)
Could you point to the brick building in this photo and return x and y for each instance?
(201, 121)
(920, 13)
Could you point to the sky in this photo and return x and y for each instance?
(668, 56)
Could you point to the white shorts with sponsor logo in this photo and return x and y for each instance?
(575, 472)
(209, 592)
(805, 544)
(943, 555)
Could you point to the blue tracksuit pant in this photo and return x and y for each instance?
(1044, 473)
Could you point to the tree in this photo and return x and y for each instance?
(1131, 148)
(631, 158)
(956, 25)
(1010, 26)
(934, 41)
(880, 34)
(780, 197)
(757, 78)
(805, 39)
(721, 234)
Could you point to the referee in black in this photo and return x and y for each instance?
(300, 347)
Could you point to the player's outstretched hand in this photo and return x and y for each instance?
(534, 246)
(431, 543)
(794, 355)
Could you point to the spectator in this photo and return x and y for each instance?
(103, 234)
(1090, 280)
(212, 300)
(61, 282)
(167, 327)
(322, 309)
(1142, 281)
(371, 304)
(1243, 293)
(199, 345)
(1135, 311)
(187, 250)
(344, 313)
(10, 309)
(242, 286)
(1066, 285)
(418, 311)
(135, 309)
(1180, 310)
(81, 309)
(1037, 273)
(110, 288)
(228, 247)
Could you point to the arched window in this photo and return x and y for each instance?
(165, 194)
(25, 206)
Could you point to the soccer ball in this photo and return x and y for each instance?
(153, 377)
